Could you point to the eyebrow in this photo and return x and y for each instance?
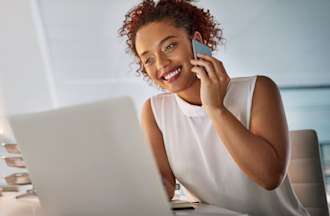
(162, 41)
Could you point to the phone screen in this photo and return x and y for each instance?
(200, 48)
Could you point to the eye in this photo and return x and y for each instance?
(148, 61)
(170, 47)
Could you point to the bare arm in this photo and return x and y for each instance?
(155, 139)
(263, 151)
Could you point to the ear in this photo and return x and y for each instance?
(198, 36)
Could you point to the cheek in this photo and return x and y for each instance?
(186, 54)
(151, 73)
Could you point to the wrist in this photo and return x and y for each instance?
(216, 112)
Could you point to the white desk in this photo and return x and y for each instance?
(30, 206)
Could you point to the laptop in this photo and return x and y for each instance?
(91, 159)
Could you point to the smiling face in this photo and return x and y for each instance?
(165, 52)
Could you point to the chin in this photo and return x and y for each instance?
(183, 87)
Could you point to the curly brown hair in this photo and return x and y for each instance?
(183, 15)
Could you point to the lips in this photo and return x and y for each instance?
(171, 74)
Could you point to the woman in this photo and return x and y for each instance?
(225, 140)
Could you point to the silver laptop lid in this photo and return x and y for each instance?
(91, 159)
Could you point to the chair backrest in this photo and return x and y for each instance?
(305, 172)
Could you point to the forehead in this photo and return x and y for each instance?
(149, 36)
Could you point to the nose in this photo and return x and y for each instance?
(162, 61)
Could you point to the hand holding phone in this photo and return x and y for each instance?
(199, 48)
(213, 76)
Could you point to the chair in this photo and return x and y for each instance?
(305, 172)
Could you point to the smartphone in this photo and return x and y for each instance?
(200, 49)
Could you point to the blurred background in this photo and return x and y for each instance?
(63, 52)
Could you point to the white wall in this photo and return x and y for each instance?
(25, 84)
(87, 57)
(286, 40)
(309, 109)
(24, 81)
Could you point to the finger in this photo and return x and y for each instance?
(208, 67)
(200, 73)
(218, 65)
(221, 71)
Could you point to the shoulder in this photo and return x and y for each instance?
(258, 79)
(265, 89)
(240, 87)
(147, 106)
(162, 96)
(265, 83)
(157, 102)
(149, 121)
(147, 109)
(152, 104)
(266, 95)
(147, 116)
(242, 83)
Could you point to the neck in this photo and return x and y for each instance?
(192, 94)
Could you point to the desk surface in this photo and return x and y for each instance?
(30, 206)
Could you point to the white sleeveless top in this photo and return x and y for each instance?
(200, 161)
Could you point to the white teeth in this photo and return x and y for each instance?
(172, 74)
